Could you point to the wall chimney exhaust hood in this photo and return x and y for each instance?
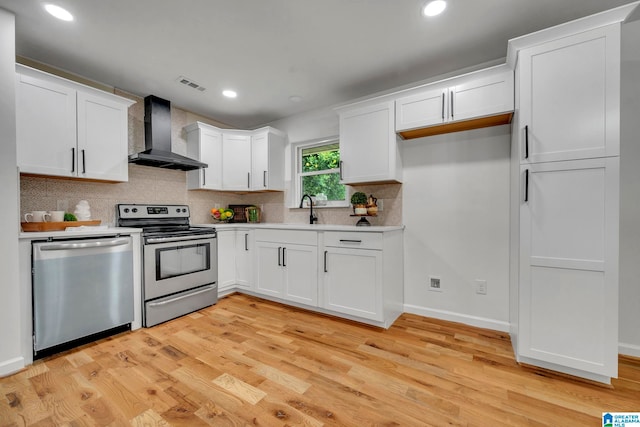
(157, 139)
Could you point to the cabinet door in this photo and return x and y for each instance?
(102, 138)
(568, 264)
(46, 127)
(569, 97)
(236, 166)
(427, 108)
(481, 97)
(269, 273)
(211, 154)
(368, 147)
(226, 260)
(353, 282)
(267, 161)
(300, 263)
(204, 143)
(259, 161)
(244, 258)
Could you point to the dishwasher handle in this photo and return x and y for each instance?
(119, 241)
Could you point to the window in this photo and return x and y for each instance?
(318, 172)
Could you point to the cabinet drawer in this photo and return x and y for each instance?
(353, 239)
(287, 236)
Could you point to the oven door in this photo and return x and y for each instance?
(172, 265)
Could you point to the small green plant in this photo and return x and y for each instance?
(358, 198)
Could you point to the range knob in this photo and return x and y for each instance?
(178, 210)
(126, 210)
(184, 209)
(134, 210)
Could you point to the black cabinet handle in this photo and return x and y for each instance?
(526, 142)
(84, 166)
(204, 177)
(325, 262)
(526, 185)
(73, 160)
(248, 179)
(341, 162)
(451, 105)
(284, 258)
(279, 259)
(264, 179)
(350, 241)
(443, 106)
(246, 244)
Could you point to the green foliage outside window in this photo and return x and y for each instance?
(314, 161)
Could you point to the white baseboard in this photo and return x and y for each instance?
(480, 322)
(11, 366)
(629, 349)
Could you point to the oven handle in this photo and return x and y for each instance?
(169, 301)
(180, 238)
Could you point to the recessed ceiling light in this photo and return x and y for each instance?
(58, 12)
(435, 7)
(229, 93)
(295, 98)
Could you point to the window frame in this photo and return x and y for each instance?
(297, 173)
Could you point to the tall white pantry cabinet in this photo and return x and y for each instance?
(565, 199)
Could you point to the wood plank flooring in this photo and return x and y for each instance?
(250, 362)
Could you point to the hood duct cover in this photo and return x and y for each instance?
(157, 139)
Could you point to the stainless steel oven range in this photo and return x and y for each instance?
(180, 267)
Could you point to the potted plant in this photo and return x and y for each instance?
(359, 202)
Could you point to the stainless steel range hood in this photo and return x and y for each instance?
(157, 139)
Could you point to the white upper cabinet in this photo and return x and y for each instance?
(66, 129)
(267, 160)
(205, 144)
(238, 160)
(236, 166)
(368, 146)
(480, 99)
(570, 96)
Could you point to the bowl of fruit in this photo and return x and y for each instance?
(221, 214)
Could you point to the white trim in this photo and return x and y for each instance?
(480, 322)
(11, 366)
(629, 349)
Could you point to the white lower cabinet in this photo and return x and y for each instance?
(353, 274)
(244, 258)
(353, 282)
(287, 265)
(226, 260)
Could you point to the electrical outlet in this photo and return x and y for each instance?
(380, 204)
(481, 287)
(434, 284)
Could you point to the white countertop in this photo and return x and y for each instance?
(314, 227)
(110, 231)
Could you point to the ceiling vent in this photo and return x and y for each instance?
(191, 83)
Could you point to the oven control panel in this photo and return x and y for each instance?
(135, 211)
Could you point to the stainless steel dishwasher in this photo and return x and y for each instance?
(80, 288)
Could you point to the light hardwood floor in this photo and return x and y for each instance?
(250, 362)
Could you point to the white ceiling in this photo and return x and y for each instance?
(325, 51)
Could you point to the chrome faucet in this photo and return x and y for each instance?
(312, 217)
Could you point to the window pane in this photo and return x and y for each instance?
(328, 184)
(321, 158)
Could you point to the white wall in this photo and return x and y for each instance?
(10, 350)
(629, 329)
(456, 214)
